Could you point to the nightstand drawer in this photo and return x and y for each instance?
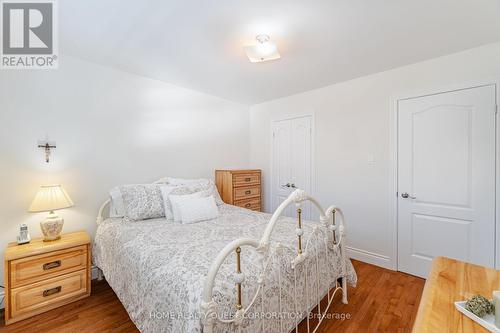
(48, 294)
(243, 179)
(253, 204)
(246, 192)
(41, 267)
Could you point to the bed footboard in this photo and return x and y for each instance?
(331, 234)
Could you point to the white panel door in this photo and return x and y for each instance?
(282, 172)
(291, 161)
(301, 158)
(446, 178)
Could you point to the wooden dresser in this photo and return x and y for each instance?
(450, 281)
(240, 187)
(40, 276)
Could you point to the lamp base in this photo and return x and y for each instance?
(51, 239)
(52, 227)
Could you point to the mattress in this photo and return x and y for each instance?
(157, 269)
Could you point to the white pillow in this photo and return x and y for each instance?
(197, 209)
(175, 199)
(205, 185)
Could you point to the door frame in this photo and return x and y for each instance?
(291, 116)
(393, 158)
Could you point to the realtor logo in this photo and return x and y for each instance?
(28, 34)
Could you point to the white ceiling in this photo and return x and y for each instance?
(198, 44)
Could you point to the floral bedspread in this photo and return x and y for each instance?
(157, 269)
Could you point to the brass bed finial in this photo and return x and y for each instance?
(238, 272)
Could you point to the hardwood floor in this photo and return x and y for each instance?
(383, 301)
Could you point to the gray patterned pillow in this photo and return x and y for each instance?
(212, 189)
(196, 185)
(205, 185)
(142, 202)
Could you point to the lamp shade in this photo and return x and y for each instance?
(49, 198)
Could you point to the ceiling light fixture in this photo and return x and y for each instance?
(264, 50)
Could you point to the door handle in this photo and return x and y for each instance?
(405, 195)
(293, 185)
(286, 185)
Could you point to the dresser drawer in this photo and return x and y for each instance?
(253, 204)
(244, 179)
(48, 293)
(246, 192)
(44, 266)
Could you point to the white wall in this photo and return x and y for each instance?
(111, 128)
(352, 122)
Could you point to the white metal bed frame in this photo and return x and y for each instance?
(331, 229)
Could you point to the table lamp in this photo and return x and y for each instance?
(48, 199)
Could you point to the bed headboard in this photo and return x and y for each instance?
(104, 209)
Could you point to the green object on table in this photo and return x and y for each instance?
(480, 306)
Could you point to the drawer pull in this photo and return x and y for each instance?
(51, 265)
(248, 205)
(52, 291)
(248, 192)
(248, 179)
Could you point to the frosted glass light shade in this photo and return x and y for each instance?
(49, 198)
(264, 50)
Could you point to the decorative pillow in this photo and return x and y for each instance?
(213, 190)
(116, 206)
(142, 202)
(163, 180)
(197, 209)
(168, 190)
(197, 185)
(175, 199)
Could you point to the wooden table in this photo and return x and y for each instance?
(449, 281)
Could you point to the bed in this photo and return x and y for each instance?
(239, 272)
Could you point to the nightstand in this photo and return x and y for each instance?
(41, 276)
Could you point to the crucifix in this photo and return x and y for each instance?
(47, 146)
